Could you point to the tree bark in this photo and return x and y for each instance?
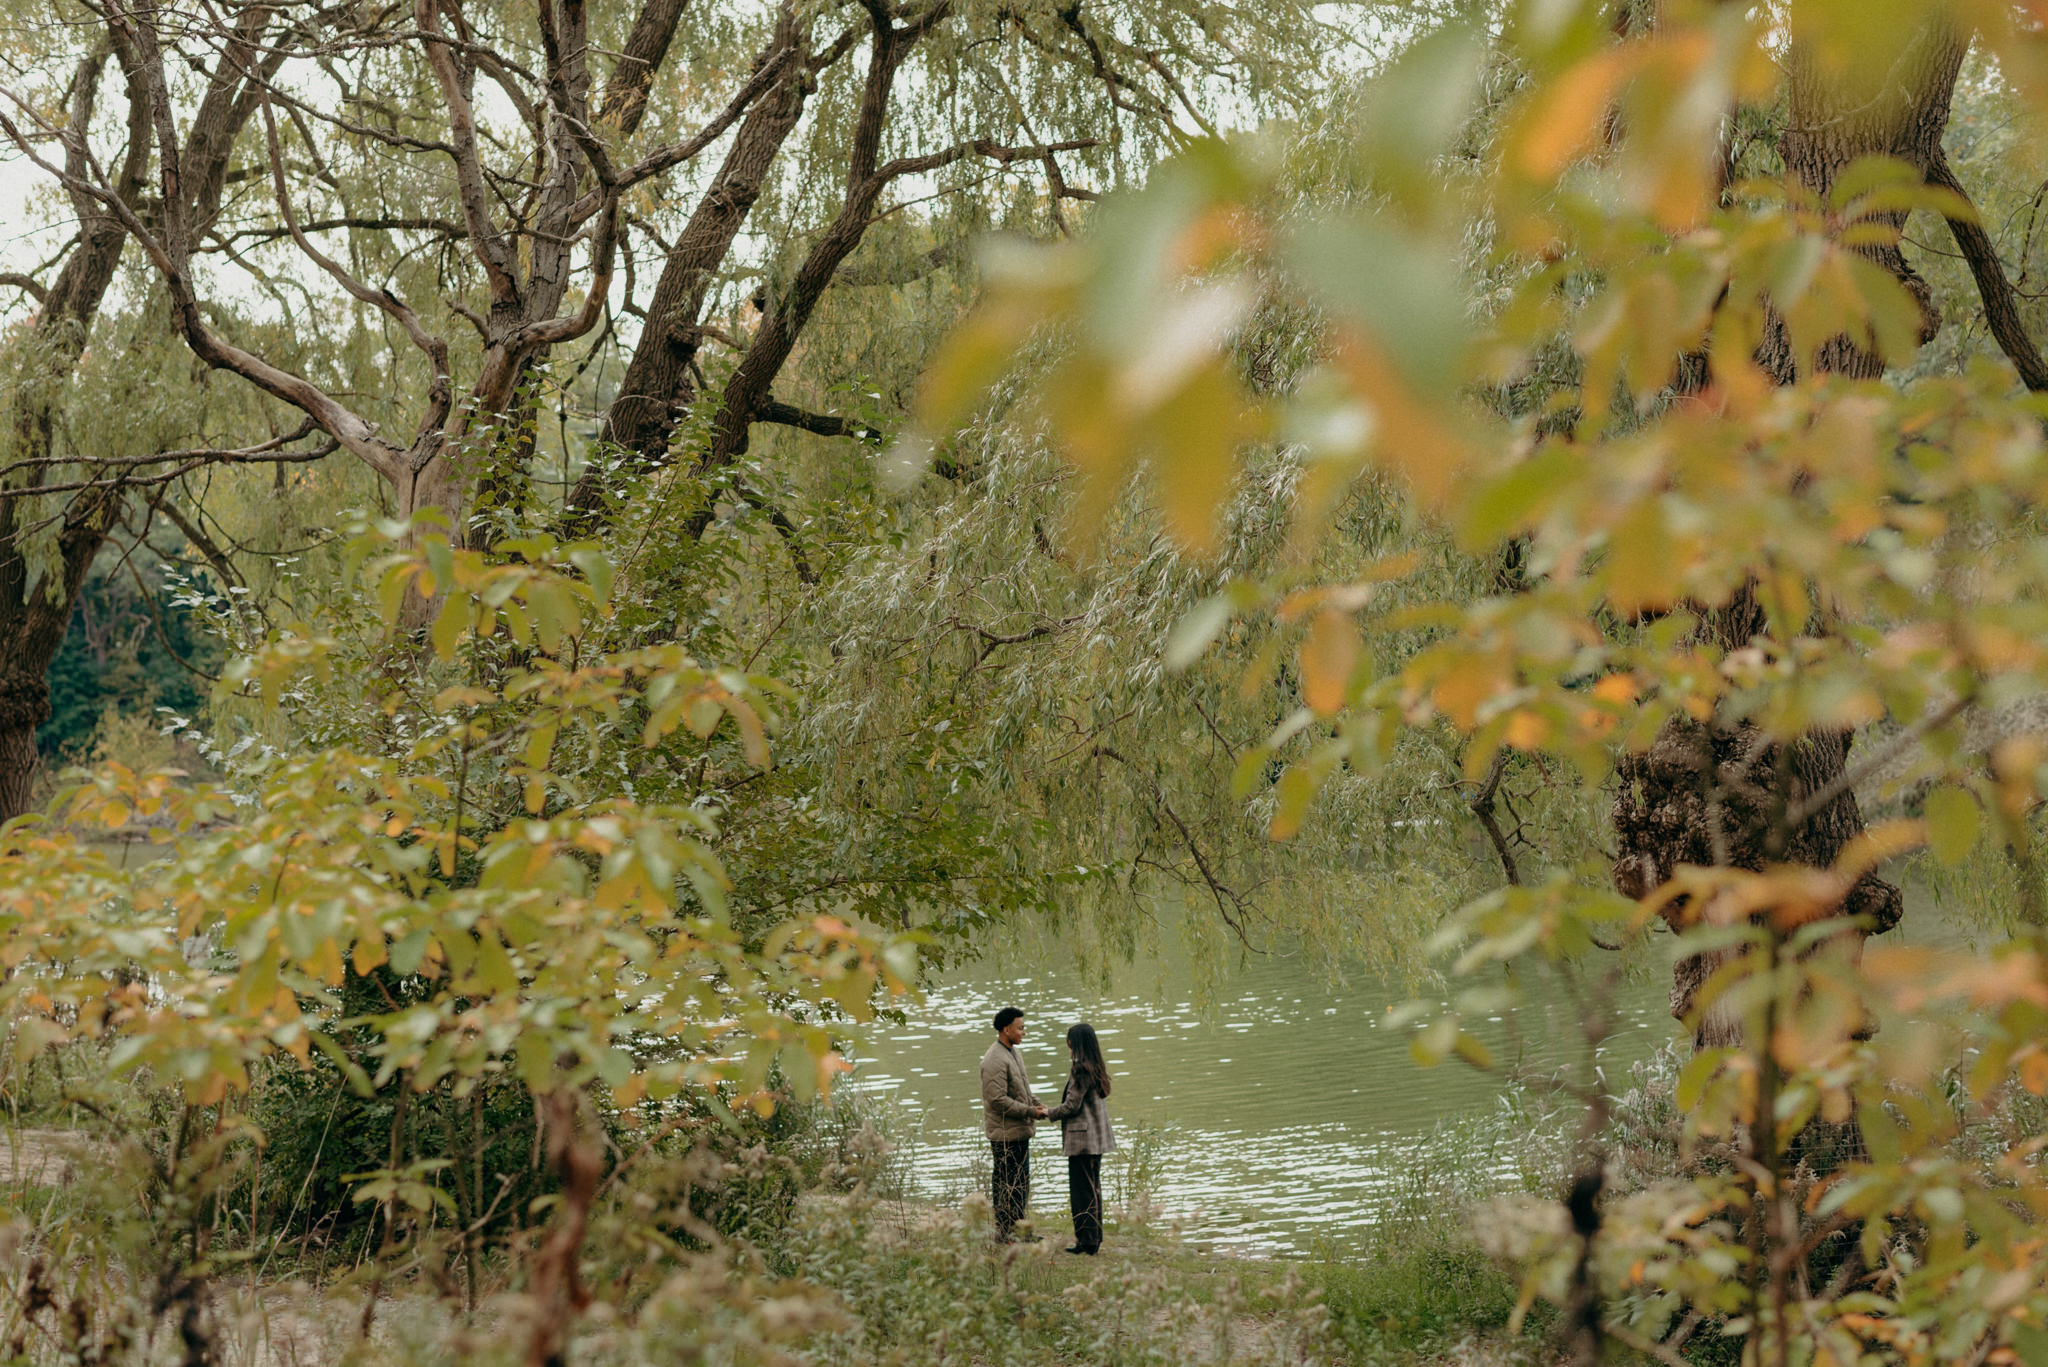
(36, 601)
(658, 385)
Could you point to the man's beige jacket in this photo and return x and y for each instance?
(1006, 1099)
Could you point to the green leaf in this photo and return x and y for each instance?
(358, 1080)
(1510, 503)
(1297, 788)
(391, 587)
(535, 1059)
(1418, 105)
(1250, 769)
(1405, 292)
(1952, 823)
(555, 616)
(448, 625)
(597, 570)
(440, 560)
(408, 951)
(493, 965)
(1433, 1043)
(1197, 631)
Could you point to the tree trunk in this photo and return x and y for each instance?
(657, 385)
(34, 607)
(1715, 794)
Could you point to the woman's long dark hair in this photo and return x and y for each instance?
(1090, 1070)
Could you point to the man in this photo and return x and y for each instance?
(1008, 1110)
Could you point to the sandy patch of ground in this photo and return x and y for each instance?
(43, 1158)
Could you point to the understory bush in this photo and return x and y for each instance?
(126, 1255)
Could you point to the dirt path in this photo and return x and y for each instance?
(42, 1158)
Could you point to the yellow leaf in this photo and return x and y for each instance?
(1413, 437)
(1527, 731)
(1640, 572)
(1465, 688)
(1196, 434)
(1616, 688)
(1296, 787)
(1570, 116)
(753, 739)
(2033, 1070)
(448, 625)
(325, 962)
(1329, 654)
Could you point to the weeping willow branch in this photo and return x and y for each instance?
(1235, 908)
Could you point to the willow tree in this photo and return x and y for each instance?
(479, 187)
(58, 503)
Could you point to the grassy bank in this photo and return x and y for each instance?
(850, 1279)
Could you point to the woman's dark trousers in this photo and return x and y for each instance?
(1011, 1187)
(1084, 1194)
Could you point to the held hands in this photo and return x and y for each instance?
(1039, 1113)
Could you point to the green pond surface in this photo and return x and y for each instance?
(1279, 1110)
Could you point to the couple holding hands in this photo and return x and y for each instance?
(1010, 1114)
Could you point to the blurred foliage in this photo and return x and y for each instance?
(1705, 453)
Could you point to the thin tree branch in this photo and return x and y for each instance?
(792, 537)
(1482, 805)
(1230, 904)
(489, 246)
(26, 285)
(2001, 307)
(822, 424)
(439, 393)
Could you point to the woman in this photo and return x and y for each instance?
(1083, 1114)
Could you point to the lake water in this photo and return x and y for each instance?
(1281, 1114)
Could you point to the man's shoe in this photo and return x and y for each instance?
(1076, 1248)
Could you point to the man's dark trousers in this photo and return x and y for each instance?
(1084, 1198)
(1011, 1189)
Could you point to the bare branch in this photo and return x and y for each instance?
(768, 71)
(549, 331)
(986, 147)
(489, 246)
(792, 538)
(1482, 805)
(821, 424)
(192, 460)
(1806, 810)
(170, 252)
(436, 349)
(1230, 904)
(304, 429)
(201, 542)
